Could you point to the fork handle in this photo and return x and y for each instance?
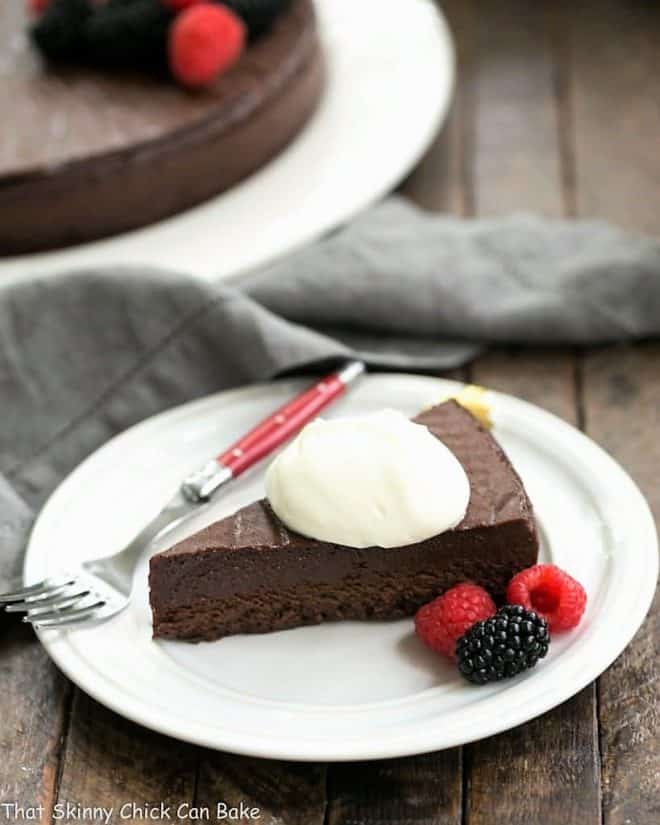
(270, 433)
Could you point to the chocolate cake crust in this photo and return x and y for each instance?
(249, 573)
(89, 154)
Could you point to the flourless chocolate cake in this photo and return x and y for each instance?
(249, 573)
(88, 154)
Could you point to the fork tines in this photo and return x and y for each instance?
(54, 602)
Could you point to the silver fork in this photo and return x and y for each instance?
(100, 589)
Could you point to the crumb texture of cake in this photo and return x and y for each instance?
(249, 573)
(138, 148)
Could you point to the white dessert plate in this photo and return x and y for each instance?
(339, 691)
(390, 78)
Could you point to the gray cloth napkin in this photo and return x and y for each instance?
(87, 354)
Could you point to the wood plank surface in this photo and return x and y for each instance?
(516, 135)
(442, 181)
(622, 413)
(112, 763)
(614, 48)
(412, 791)
(284, 793)
(34, 701)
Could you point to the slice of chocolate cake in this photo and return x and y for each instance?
(249, 573)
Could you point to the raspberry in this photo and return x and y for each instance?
(205, 40)
(443, 621)
(552, 593)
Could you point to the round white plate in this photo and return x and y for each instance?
(348, 690)
(390, 77)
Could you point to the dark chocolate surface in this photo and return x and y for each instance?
(85, 154)
(250, 573)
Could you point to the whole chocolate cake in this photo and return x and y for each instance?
(249, 573)
(85, 154)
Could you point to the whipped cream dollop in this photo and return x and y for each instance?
(375, 480)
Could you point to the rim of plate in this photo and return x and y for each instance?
(515, 705)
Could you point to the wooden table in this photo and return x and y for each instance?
(556, 111)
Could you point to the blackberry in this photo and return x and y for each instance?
(129, 34)
(258, 15)
(513, 640)
(59, 31)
